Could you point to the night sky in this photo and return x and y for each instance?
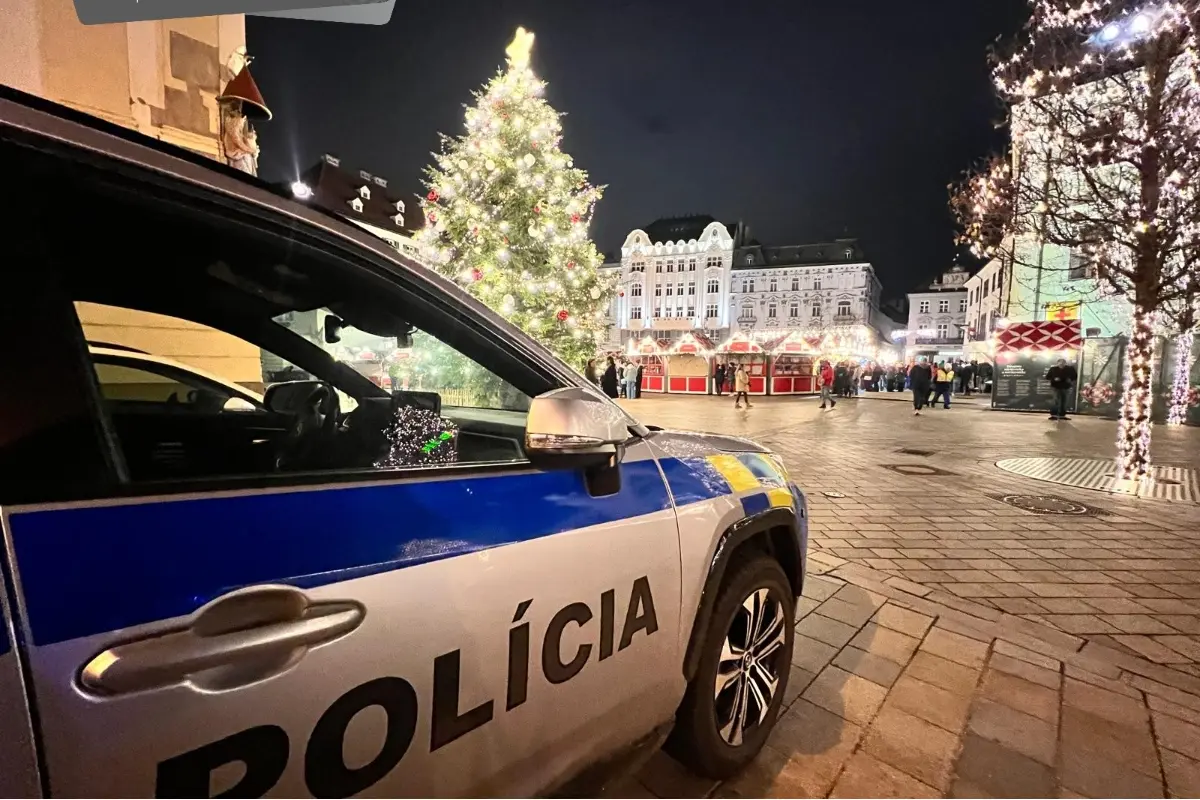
(806, 120)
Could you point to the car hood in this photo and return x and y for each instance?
(682, 444)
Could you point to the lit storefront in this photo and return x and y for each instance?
(741, 349)
(792, 367)
(689, 365)
(649, 353)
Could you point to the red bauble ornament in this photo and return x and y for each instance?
(620, 294)
(537, 209)
(432, 196)
(575, 218)
(477, 274)
(570, 265)
(562, 315)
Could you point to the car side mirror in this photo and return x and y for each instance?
(572, 428)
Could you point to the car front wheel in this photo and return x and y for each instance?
(734, 699)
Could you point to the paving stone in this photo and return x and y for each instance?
(1137, 623)
(1182, 774)
(814, 745)
(845, 694)
(1131, 747)
(805, 606)
(931, 703)
(885, 642)
(991, 770)
(913, 746)
(1175, 734)
(896, 618)
(1110, 684)
(1025, 734)
(826, 630)
(1091, 776)
(908, 586)
(1108, 705)
(1146, 647)
(811, 655)
(1050, 679)
(1176, 710)
(1187, 646)
(1025, 696)
(943, 673)
(854, 615)
(867, 776)
(955, 647)
(1181, 623)
(663, 776)
(1065, 606)
(798, 681)
(876, 669)
(1025, 654)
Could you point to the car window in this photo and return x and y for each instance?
(130, 383)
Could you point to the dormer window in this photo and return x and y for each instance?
(357, 205)
(849, 253)
(399, 220)
(400, 206)
(750, 258)
(364, 192)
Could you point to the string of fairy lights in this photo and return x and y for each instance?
(1104, 112)
(507, 214)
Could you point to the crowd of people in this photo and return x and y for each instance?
(930, 382)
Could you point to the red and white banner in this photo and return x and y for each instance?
(1040, 337)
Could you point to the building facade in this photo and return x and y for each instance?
(696, 274)
(937, 317)
(985, 309)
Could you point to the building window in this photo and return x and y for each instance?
(943, 306)
(843, 308)
(710, 311)
(943, 330)
(670, 290)
(713, 262)
(795, 284)
(774, 285)
(923, 308)
(691, 311)
(635, 290)
(962, 306)
(658, 266)
(749, 259)
(771, 311)
(658, 291)
(752, 284)
(657, 312)
(816, 311)
(714, 286)
(1080, 267)
(691, 287)
(745, 286)
(670, 266)
(691, 265)
(849, 253)
(999, 279)
(816, 284)
(635, 312)
(637, 266)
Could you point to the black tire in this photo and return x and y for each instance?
(696, 740)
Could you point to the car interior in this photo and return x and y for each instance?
(211, 263)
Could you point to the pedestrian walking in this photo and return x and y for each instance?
(943, 386)
(920, 378)
(741, 387)
(608, 381)
(1062, 377)
(719, 379)
(589, 372)
(825, 381)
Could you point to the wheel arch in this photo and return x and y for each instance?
(773, 533)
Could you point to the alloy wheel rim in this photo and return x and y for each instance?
(748, 672)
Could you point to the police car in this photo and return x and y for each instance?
(340, 590)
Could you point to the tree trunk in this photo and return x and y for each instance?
(1133, 435)
(1181, 387)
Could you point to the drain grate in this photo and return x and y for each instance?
(1045, 504)
(834, 495)
(922, 453)
(923, 470)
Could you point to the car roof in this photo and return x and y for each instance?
(129, 354)
(73, 128)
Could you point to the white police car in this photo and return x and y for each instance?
(341, 591)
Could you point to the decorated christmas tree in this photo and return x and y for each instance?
(507, 215)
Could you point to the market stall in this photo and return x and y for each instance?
(649, 353)
(792, 369)
(740, 349)
(1024, 352)
(689, 366)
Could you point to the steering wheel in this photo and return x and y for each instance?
(314, 425)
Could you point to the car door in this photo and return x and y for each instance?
(18, 765)
(447, 629)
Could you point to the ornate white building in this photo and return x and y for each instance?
(937, 317)
(695, 274)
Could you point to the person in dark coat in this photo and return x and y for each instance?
(637, 389)
(719, 379)
(589, 372)
(1062, 377)
(920, 378)
(608, 381)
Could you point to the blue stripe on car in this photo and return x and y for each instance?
(88, 570)
(693, 480)
(755, 503)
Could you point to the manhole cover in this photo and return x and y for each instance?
(916, 469)
(922, 453)
(1047, 504)
(833, 494)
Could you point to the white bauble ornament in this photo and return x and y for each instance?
(529, 160)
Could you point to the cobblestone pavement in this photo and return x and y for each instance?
(949, 644)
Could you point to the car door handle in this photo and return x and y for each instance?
(237, 657)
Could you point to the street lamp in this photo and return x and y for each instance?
(301, 190)
(1128, 30)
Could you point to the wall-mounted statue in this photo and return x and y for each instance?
(241, 103)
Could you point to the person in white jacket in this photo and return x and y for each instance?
(630, 375)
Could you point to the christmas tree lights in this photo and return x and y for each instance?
(508, 213)
(1181, 394)
(1104, 102)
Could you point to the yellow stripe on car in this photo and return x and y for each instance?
(738, 475)
(780, 498)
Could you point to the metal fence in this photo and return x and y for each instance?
(1102, 375)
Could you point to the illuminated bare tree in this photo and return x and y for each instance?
(1105, 122)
